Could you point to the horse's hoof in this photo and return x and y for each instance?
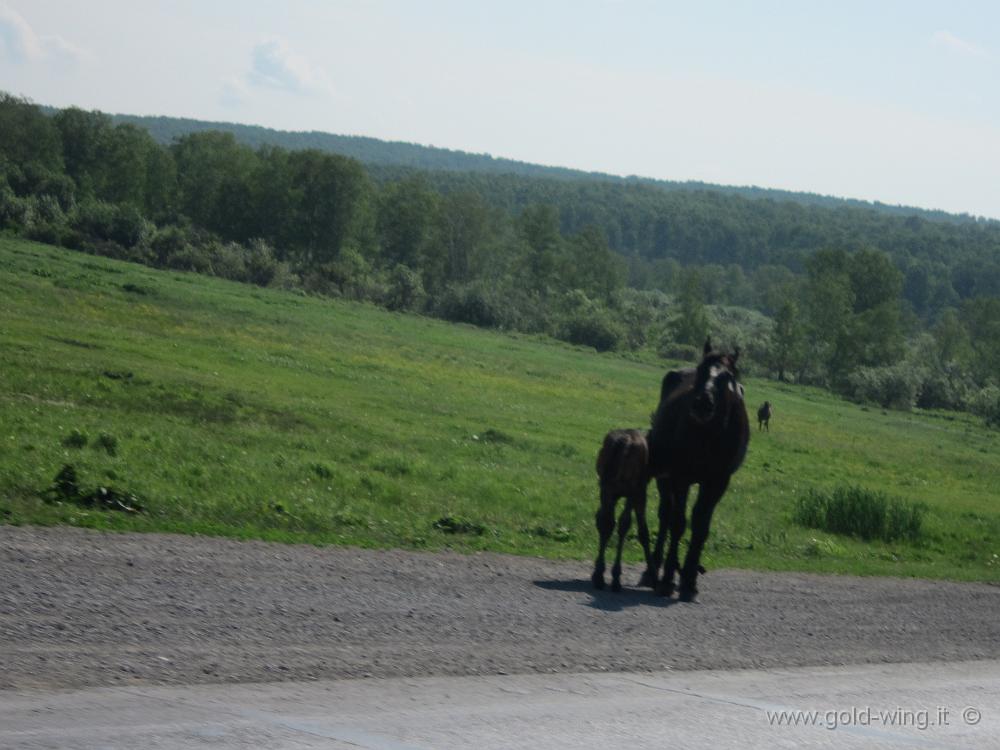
(598, 580)
(648, 580)
(665, 588)
(616, 585)
(689, 595)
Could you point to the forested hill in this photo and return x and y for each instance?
(373, 151)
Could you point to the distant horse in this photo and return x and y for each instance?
(764, 416)
(621, 467)
(699, 435)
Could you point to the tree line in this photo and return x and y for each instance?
(896, 310)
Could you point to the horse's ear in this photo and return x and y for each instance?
(708, 346)
(736, 354)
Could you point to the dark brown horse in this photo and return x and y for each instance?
(699, 436)
(764, 416)
(622, 465)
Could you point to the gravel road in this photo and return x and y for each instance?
(81, 608)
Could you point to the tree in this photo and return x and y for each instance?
(27, 136)
(538, 227)
(591, 265)
(463, 228)
(82, 135)
(828, 355)
(981, 317)
(789, 339)
(213, 176)
(691, 324)
(406, 216)
(330, 206)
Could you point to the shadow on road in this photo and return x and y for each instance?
(609, 601)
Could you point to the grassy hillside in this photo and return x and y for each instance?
(231, 410)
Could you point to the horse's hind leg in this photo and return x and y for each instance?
(624, 522)
(605, 521)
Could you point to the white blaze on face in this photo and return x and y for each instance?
(713, 373)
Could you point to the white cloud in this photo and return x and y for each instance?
(234, 93)
(20, 44)
(274, 66)
(947, 40)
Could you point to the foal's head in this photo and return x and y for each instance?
(715, 384)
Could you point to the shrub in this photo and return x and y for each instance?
(227, 261)
(857, 511)
(42, 219)
(261, 263)
(12, 209)
(406, 290)
(168, 242)
(944, 390)
(986, 404)
(893, 387)
(128, 227)
(592, 328)
(682, 352)
(75, 439)
(476, 303)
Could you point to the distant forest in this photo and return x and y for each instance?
(375, 152)
(890, 305)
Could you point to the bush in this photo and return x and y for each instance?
(682, 352)
(348, 275)
(45, 220)
(640, 313)
(857, 511)
(227, 261)
(986, 404)
(747, 329)
(476, 303)
(12, 209)
(593, 328)
(121, 224)
(406, 290)
(943, 390)
(172, 249)
(894, 387)
(261, 264)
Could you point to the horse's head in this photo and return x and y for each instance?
(715, 385)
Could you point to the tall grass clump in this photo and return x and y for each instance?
(857, 511)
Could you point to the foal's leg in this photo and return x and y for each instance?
(605, 520)
(678, 525)
(624, 522)
(701, 518)
(648, 577)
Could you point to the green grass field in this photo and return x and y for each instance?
(237, 411)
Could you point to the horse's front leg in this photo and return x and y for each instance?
(653, 569)
(701, 519)
(678, 525)
(605, 521)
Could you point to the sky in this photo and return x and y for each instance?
(877, 100)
